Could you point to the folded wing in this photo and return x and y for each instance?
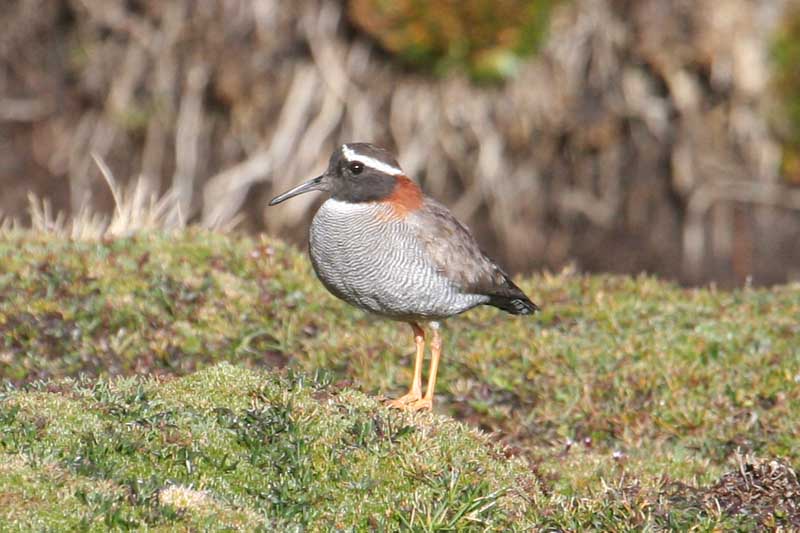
(456, 254)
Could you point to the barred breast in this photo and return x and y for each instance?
(372, 259)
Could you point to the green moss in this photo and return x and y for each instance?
(487, 39)
(620, 382)
(237, 448)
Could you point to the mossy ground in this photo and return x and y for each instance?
(232, 448)
(624, 405)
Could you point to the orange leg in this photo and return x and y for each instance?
(415, 392)
(436, 353)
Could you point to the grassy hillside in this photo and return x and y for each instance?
(627, 403)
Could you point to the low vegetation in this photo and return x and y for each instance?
(232, 448)
(627, 403)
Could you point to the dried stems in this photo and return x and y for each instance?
(609, 148)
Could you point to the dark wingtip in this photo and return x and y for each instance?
(524, 307)
(515, 306)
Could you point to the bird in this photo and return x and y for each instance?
(378, 243)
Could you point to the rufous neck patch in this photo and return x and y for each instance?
(405, 197)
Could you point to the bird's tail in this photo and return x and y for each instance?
(516, 304)
(511, 299)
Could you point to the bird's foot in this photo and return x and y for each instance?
(404, 401)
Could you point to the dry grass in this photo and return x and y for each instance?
(136, 210)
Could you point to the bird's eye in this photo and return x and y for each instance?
(356, 167)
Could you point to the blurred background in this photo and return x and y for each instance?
(616, 135)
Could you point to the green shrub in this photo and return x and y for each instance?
(786, 56)
(486, 38)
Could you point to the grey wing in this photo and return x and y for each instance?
(456, 254)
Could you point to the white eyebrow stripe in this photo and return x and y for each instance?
(371, 162)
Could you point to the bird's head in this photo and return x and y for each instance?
(360, 172)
